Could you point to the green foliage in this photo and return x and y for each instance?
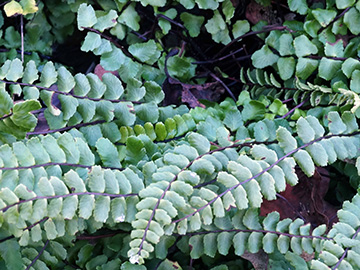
(101, 159)
(24, 7)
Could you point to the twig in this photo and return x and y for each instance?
(224, 85)
(95, 237)
(36, 223)
(173, 52)
(260, 231)
(287, 100)
(163, 141)
(122, 48)
(346, 251)
(293, 109)
(27, 228)
(237, 59)
(7, 238)
(6, 116)
(262, 172)
(218, 59)
(335, 19)
(70, 265)
(141, 36)
(291, 206)
(186, 32)
(38, 256)
(266, 85)
(65, 128)
(190, 264)
(22, 37)
(205, 183)
(44, 165)
(27, 53)
(69, 94)
(267, 29)
(328, 57)
(4, 209)
(125, 7)
(240, 145)
(3, 4)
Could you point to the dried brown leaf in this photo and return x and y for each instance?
(305, 200)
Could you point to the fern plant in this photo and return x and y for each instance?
(97, 174)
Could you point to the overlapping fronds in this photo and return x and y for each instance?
(100, 159)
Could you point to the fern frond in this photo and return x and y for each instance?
(241, 181)
(71, 100)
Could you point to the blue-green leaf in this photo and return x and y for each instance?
(304, 130)
(146, 52)
(240, 28)
(298, 5)
(114, 88)
(336, 125)
(352, 20)
(342, 4)
(102, 208)
(148, 112)
(286, 67)
(91, 42)
(328, 68)
(135, 150)
(86, 206)
(70, 205)
(130, 17)
(324, 16)
(112, 60)
(86, 16)
(254, 110)
(96, 181)
(48, 75)
(106, 21)
(15, 71)
(286, 140)
(303, 46)
(305, 67)
(305, 162)
(199, 142)
(264, 57)
(192, 23)
(65, 80)
(10, 253)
